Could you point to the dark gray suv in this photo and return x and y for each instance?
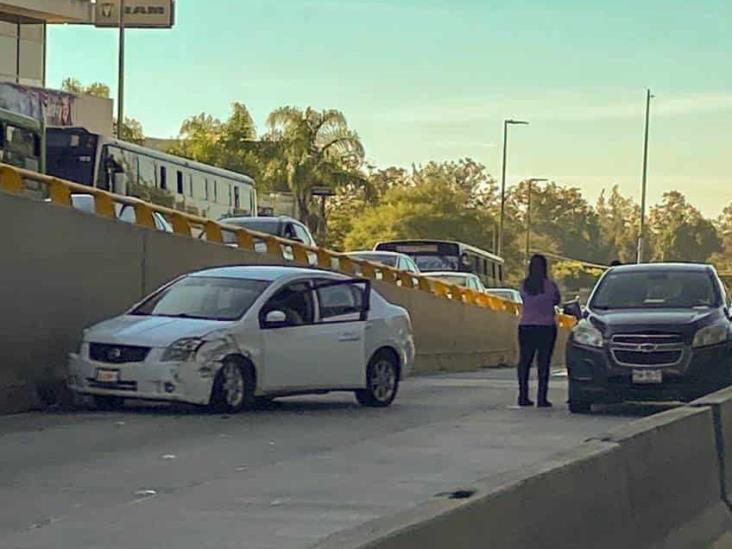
(651, 332)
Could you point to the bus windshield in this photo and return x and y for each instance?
(71, 155)
(21, 143)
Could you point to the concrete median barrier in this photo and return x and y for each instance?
(673, 478)
(63, 270)
(721, 405)
(652, 483)
(577, 499)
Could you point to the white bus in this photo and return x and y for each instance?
(90, 159)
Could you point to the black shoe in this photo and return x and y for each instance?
(545, 404)
(525, 402)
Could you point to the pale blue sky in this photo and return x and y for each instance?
(428, 80)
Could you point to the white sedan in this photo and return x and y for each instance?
(231, 336)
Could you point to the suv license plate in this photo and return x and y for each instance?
(107, 376)
(647, 376)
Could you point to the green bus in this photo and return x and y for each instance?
(22, 141)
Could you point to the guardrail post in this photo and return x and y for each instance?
(368, 270)
(245, 240)
(213, 232)
(346, 265)
(104, 205)
(10, 180)
(273, 246)
(181, 225)
(59, 192)
(300, 254)
(325, 259)
(144, 215)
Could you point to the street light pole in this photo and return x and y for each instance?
(642, 229)
(502, 216)
(528, 214)
(121, 73)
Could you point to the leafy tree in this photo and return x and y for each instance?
(723, 258)
(439, 201)
(316, 148)
(680, 232)
(619, 218)
(132, 130)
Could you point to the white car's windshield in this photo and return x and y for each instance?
(664, 290)
(205, 298)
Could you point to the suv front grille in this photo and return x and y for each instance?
(117, 354)
(647, 349)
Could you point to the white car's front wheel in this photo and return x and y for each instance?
(382, 381)
(233, 388)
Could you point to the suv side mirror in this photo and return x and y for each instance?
(572, 309)
(275, 319)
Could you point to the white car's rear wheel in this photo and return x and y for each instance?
(382, 379)
(233, 388)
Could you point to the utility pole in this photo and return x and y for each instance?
(642, 229)
(121, 73)
(506, 124)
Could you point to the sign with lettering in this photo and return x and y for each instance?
(139, 14)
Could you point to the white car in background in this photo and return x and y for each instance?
(228, 336)
(390, 259)
(125, 212)
(466, 280)
(508, 294)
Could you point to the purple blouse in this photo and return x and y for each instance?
(539, 308)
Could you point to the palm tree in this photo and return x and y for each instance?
(317, 150)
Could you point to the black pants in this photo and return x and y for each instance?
(535, 340)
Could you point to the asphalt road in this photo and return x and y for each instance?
(285, 477)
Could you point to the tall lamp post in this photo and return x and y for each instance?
(642, 229)
(528, 213)
(121, 71)
(506, 124)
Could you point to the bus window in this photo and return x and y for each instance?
(229, 185)
(22, 148)
(163, 177)
(190, 185)
(236, 197)
(208, 197)
(146, 171)
(216, 191)
(179, 181)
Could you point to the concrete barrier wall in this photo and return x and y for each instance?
(721, 405)
(653, 483)
(673, 474)
(63, 270)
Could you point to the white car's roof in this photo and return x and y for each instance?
(262, 272)
(455, 274)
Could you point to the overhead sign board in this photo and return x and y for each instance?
(139, 14)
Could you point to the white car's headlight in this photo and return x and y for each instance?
(182, 350)
(586, 334)
(711, 335)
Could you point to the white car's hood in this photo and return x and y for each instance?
(150, 331)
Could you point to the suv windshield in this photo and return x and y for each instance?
(202, 297)
(663, 290)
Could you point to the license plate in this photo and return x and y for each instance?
(647, 376)
(107, 376)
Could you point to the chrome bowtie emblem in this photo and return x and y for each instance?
(647, 348)
(114, 354)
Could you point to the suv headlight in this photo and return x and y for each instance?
(711, 335)
(182, 350)
(587, 335)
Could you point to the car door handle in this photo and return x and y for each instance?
(349, 336)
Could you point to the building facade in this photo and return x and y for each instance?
(23, 26)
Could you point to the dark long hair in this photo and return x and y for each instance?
(538, 273)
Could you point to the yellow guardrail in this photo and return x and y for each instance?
(14, 180)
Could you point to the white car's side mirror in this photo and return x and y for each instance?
(275, 318)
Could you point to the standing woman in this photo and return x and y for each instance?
(537, 330)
